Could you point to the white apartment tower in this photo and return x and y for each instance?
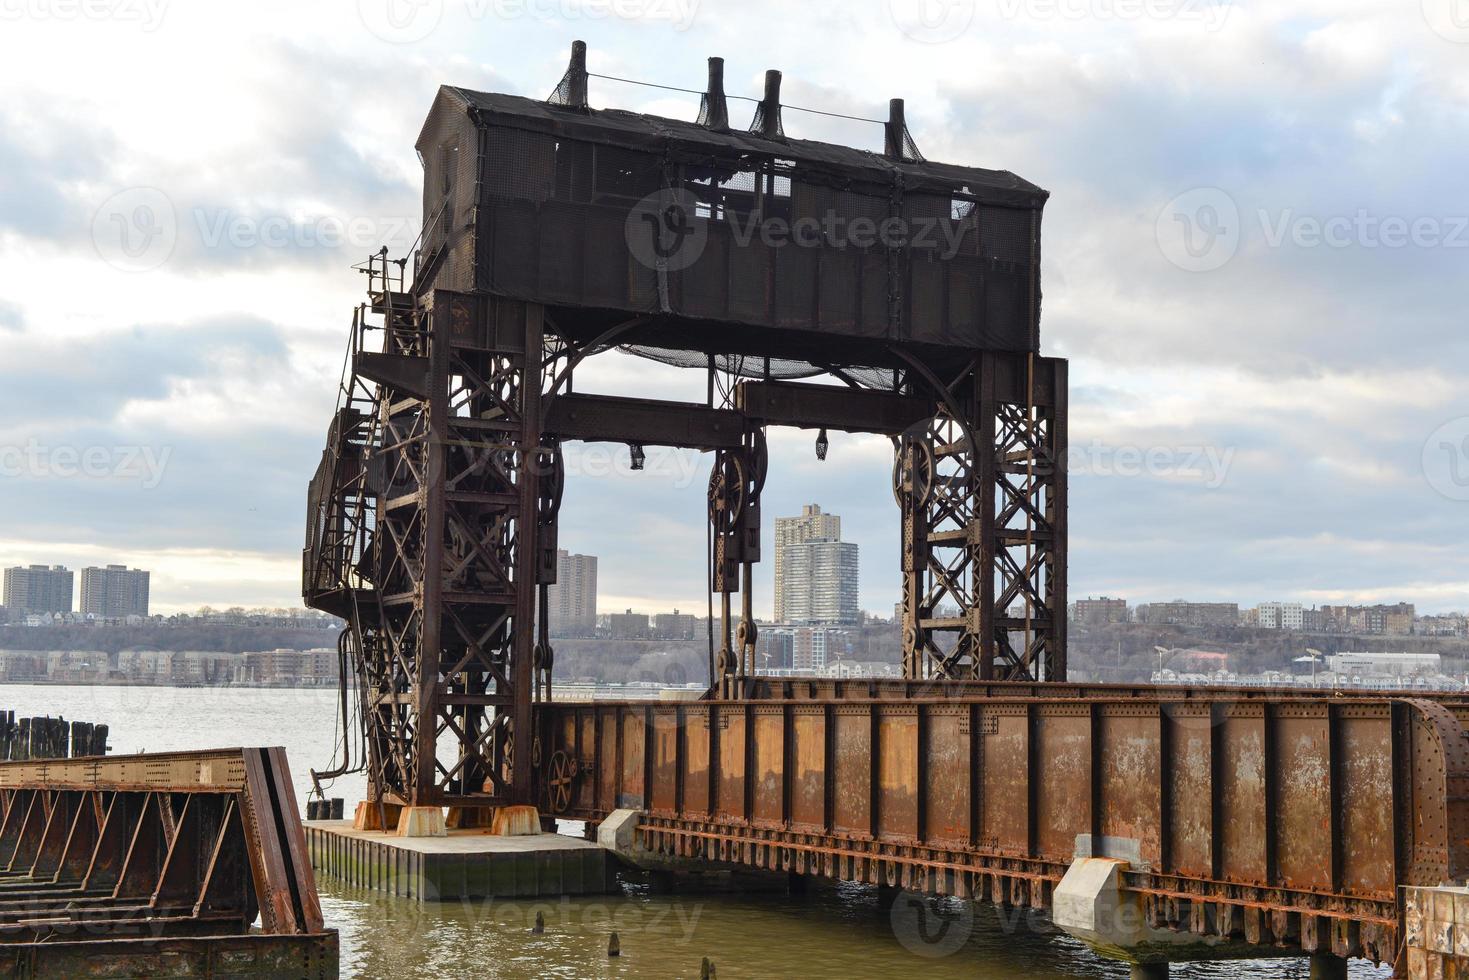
(815, 571)
(811, 525)
(573, 597)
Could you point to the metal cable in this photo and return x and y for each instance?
(742, 98)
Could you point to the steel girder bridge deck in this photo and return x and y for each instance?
(555, 232)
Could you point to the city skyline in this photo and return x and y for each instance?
(1272, 427)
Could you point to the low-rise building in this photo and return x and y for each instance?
(1182, 613)
(1099, 612)
(1279, 615)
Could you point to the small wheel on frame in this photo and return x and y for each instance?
(559, 781)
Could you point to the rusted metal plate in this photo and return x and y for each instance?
(808, 767)
(1190, 779)
(767, 734)
(663, 778)
(1365, 766)
(608, 763)
(1241, 839)
(1005, 773)
(897, 772)
(852, 750)
(1130, 790)
(946, 774)
(632, 775)
(696, 760)
(732, 748)
(1063, 794)
(1302, 804)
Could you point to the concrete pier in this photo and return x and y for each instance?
(1436, 932)
(460, 864)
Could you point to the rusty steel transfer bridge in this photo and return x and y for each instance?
(554, 232)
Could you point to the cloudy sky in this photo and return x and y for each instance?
(1256, 255)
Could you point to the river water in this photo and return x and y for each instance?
(830, 933)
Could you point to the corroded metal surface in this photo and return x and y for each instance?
(432, 519)
(124, 865)
(1280, 821)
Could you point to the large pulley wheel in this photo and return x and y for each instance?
(559, 781)
(913, 467)
(727, 492)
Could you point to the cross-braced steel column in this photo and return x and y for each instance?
(456, 557)
(982, 491)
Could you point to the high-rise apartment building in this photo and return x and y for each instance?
(816, 572)
(812, 524)
(573, 597)
(36, 589)
(114, 592)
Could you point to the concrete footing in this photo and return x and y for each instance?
(422, 821)
(459, 864)
(1436, 932)
(1092, 905)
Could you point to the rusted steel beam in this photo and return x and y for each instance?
(610, 418)
(812, 406)
(1276, 820)
(187, 845)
